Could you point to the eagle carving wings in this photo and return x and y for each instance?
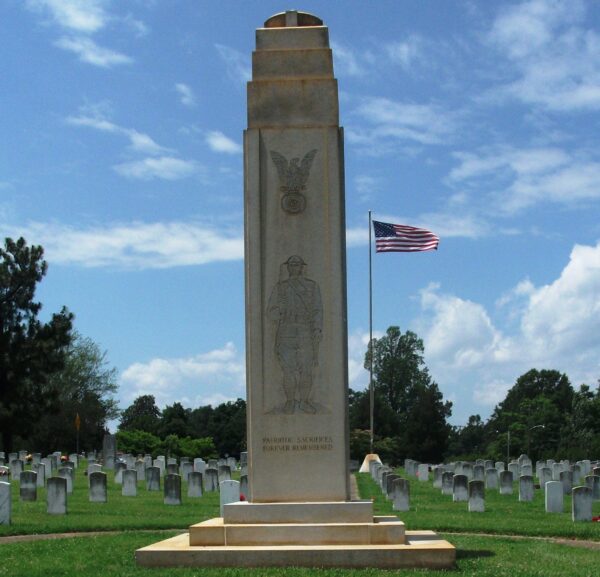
(293, 176)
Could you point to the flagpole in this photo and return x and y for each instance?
(371, 390)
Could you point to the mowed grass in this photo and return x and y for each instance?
(145, 511)
(112, 555)
(504, 514)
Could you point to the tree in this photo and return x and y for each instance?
(141, 415)
(580, 436)
(174, 421)
(229, 427)
(31, 351)
(468, 442)
(538, 397)
(416, 412)
(85, 387)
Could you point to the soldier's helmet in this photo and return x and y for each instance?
(295, 259)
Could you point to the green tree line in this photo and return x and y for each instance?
(542, 416)
(176, 430)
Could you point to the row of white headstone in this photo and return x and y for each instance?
(467, 482)
(210, 479)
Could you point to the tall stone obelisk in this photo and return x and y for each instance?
(296, 336)
(299, 511)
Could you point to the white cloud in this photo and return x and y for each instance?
(90, 52)
(346, 62)
(394, 122)
(558, 327)
(237, 64)
(81, 15)
(163, 167)
(562, 319)
(192, 378)
(367, 186)
(135, 245)
(556, 58)
(520, 178)
(357, 236)
(462, 333)
(491, 393)
(139, 142)
(218, 142)
(405, 53)
(186, 94)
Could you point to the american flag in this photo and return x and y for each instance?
(403, 238)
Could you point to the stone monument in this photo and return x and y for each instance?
(299, 510)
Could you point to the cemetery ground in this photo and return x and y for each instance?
(510, 538)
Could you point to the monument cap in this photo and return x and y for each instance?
(292, 18)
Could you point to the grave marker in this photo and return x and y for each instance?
(56, 496)
(98, 492)
(5, 503)
(554, 497)
(172, 493)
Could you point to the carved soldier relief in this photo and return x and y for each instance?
(296, 310)
(292, 179)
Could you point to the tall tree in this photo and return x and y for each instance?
(534, 412)
(229, 427)
(86, 385)
(417, 411)
(141, 415)
(30, 350)
(175, 421)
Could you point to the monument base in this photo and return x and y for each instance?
(303, 535)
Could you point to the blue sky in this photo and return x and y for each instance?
(121, 154)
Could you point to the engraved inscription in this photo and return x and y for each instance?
(295, 444)
(296, 310)
(292, 179)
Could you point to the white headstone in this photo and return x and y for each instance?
(476, 497)
(554, 497)
(5, 503)
(98, 491)
(129, 488)
(460, 491)
(172, 490)
(40, 469)
(229, 493)
(401, 495)
(56, 496)
(581, 504)
(28, 486)
(194, 484)
(525, 488)
(153, 479)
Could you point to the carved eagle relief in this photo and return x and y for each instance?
(293, 176)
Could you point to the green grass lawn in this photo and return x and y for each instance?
(112, 555)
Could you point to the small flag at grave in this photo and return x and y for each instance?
(403, 238)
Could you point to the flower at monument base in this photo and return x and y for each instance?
(3, 473)
(596, 519)
(63, 458)
(28, 457)
(242, 497)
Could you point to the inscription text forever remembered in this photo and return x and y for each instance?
(299, 443)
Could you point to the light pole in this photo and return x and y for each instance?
(529, 437)
(507, 448)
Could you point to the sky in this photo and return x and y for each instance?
(121, 154)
